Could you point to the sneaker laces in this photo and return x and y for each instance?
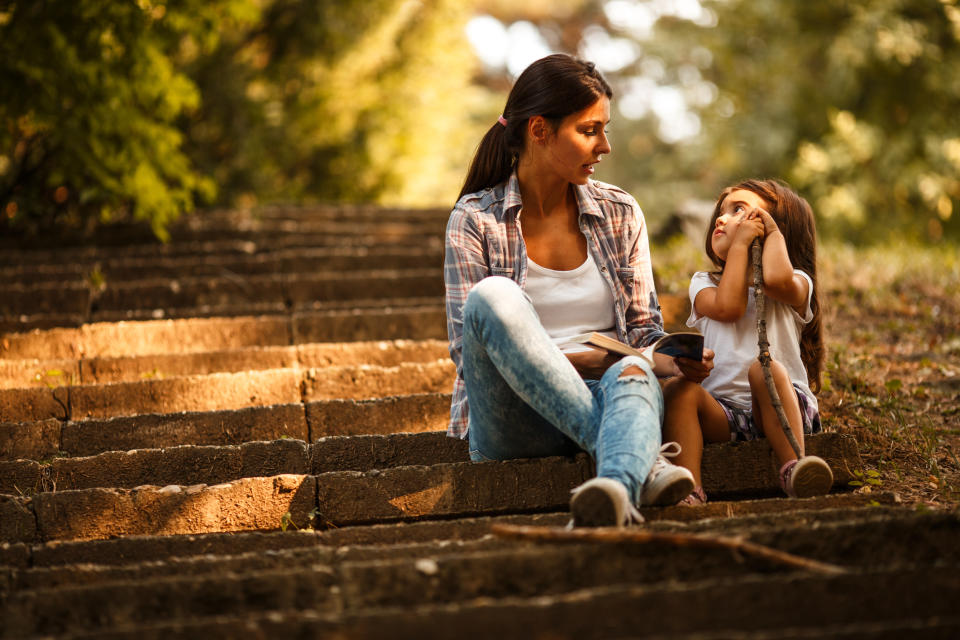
(668, 450)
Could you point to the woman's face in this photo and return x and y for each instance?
(579, 141)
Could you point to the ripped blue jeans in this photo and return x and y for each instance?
(526, 400)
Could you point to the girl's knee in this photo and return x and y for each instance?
(755, 373)
(679, 389)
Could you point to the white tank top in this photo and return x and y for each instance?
(571, 302)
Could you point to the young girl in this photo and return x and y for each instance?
(733, 403)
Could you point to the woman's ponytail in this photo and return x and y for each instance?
(492, 163)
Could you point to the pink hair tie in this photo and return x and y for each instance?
(502, 120)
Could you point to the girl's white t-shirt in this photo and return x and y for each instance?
(735, 343)
(571, 302)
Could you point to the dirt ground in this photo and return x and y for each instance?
(893, 379)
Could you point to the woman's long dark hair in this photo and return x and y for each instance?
(553, 87)
(794, 217)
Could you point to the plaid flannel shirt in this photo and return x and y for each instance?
(483, 239)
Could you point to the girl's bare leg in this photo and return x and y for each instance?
(765, 414)
(692, 417)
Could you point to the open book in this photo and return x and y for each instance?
(683, 344)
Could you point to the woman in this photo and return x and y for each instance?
(537, 252)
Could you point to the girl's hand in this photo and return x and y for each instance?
(695, 371)
(769, 224)
(751, 227)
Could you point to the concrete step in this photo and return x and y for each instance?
(866, 604)
(192, 464)
(333, 498)
(268, 503)
(62, 372)
(249, 243)
(744, 517)
(293, 290)
(526, 580)
(62, 555)
(291, 217)
(92, 562)
(373, 320)
(222, 391)
(232, 264)
(46, 439)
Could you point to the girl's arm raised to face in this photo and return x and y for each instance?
(728, 301)
(779, 280)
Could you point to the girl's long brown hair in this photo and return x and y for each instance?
(794, 217)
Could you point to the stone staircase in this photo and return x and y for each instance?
(240, 434)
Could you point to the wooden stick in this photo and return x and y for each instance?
(641, 536)
(764, 347)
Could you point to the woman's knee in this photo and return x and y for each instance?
(492, 293)
(631, 366)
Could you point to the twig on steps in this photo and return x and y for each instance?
(642, 536)
(764, 346)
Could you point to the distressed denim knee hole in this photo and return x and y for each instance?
(633, 372)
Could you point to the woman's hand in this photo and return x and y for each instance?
(695, 371)
(592, 364)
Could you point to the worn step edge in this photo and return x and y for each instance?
(415, 575)
(148, 295)
(78, 574)
(765, 603)
(277, 624)
(242, 244)
(743, 518)
(895, 537)
(221, 391)
(16, 374)
(46, 439)
(190, 464)
(143, 548)
(288, 261)
(192, 335)
(339, 498)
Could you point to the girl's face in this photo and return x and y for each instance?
(732, 211)
(576, 146)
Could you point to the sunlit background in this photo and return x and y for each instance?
(150, 109)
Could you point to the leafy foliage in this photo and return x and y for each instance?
(88, 98)
(854, 103)
(139, 110)
(344, 100)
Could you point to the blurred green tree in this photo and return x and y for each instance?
(141, 109)
(88, 100)
(343, 100)
(854, 103)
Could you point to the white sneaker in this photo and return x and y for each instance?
(667, 483)
(602, 502)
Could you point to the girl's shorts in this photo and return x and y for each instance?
(743, 427)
